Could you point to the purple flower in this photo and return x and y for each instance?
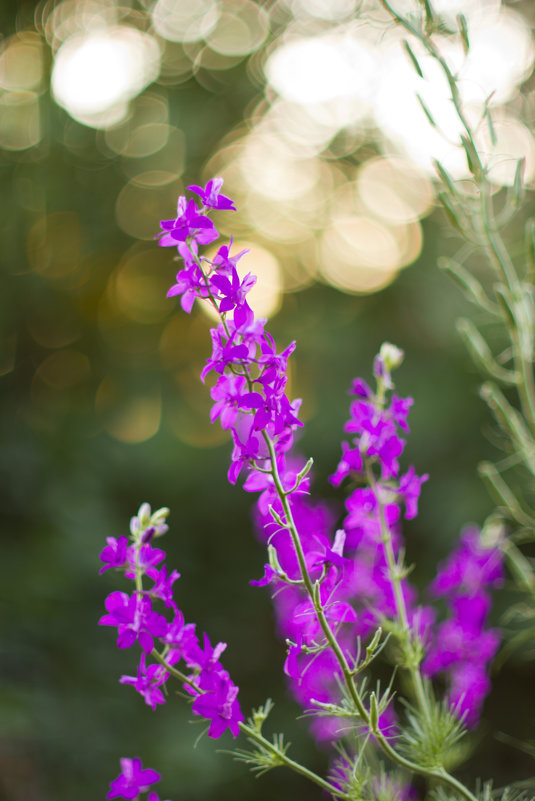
(225, 352)
(234, 293)
(133, 779)
(360, 388)
(223, 262)
(163, 586)
(134, 619)
(399, 409)
(143, 558)
(409, 489)
(211, 195)
(148, 682)
(351, 462)
(185, 644)
(114, 554)
(189, 222)
(220, 706)
(190, 282)
(269, 575)
(245, 452)
(230, 395)
(470, 568)
(462, 647)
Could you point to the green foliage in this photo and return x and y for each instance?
(433, 739)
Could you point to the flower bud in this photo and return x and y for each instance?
(391, 356)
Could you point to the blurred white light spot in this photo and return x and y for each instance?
(499, 60)
(322, 68)
(514, 141)
(270, 170)
(500, 57)
(449, 10)
(395, 189)
(96, 73)
(360, 254)
(241, 28)
(330, 10)
(185, 20)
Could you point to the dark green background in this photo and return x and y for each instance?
(66, 485)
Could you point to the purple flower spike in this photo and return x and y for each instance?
(133, 779)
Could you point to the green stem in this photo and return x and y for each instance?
(493, 243)
(401, 607)
(433, 773)
(253, 734)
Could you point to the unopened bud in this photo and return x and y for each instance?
(391, 356)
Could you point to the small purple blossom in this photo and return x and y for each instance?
(163, 586)
(189, 222)
(132, 780)
(114, 554)
(134, 619)
(220, 706)
(211, 195)
(148, 681)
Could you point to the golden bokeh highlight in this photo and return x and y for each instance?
(22, 62)
(139, 284)
(175, 342)
(176, 66)
(241, 28)
(395, 189)
(147, 109)
(165, 162)
(139, 207)
(362, 254)
(184, 21)
(187, 415)
(20, 121)
(129, 418)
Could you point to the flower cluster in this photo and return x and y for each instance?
(359, 572)
(214, 694)
(356, 578)
(358, 586)
(333, 593)
(462, 648)
(374, 506)
(249, 394)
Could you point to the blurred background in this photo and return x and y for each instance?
(308, 109)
